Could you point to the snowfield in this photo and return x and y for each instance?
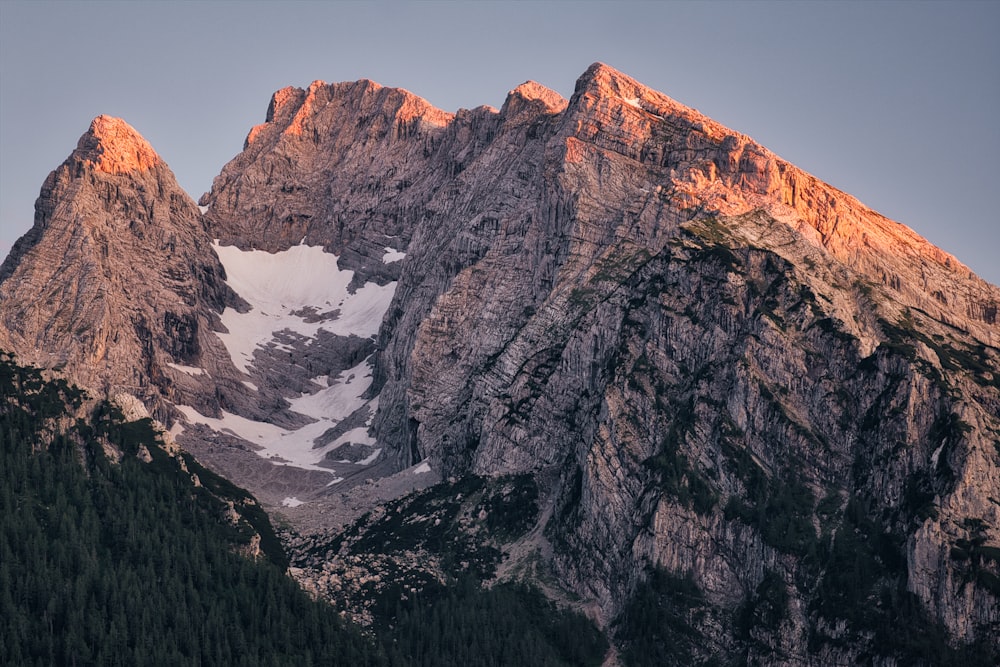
(296, 447)
(285, 288)
(285, 291)
(392, 255)
(338, 400)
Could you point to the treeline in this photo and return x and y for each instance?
(128, 563)
(509, 625)
(131, 563)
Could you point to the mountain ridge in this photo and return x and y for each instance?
(711, 364)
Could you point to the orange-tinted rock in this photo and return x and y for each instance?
(112, 146)
(116, 279)
(653, 315)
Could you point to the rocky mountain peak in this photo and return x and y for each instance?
(116, 280)
(113, 146)
(533, 94)
(712, 170)
(301, 112)
(604, 79)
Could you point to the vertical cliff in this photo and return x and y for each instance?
(714, 364)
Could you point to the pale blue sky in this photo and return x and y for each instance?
(896, 103)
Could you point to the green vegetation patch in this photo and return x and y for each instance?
(461, 522)
(507, 625)
(763, 612)
(677, 478)
(780, 508)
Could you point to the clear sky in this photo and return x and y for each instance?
(897, 103)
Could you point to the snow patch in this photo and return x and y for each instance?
(278, 445)
(358, 436)
(190, 370)
(422, 468)
(392, 255)
(291, 501)
(248, 429)
(203, 209)
(279, 285)
(373, 407)
(636, 102)
(370, 459)
(295, 292)
(935, 455)
(339, 399)
(297, 448)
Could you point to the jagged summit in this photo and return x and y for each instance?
(295, 110)
(600, 77)
(116, 278)
(113, 146)
(534, 92)
(711, 169)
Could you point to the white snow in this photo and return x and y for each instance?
(356, 435)
(291, 501)
(338, 400)
(422, 468)
(190, 370)
(392, 255)
(935, 455)
(294, 448)
(371, 459)
(327, 406)
(256, 432)
(636, 102)
(278, 284)
(373, 407)
(203, 209)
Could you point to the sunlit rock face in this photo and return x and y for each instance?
(112, 146)
(116, 281)
(710, 361)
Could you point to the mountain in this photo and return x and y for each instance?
(116, 282)
(682, 384)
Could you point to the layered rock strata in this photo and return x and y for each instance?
(116, 283)
(713, 364)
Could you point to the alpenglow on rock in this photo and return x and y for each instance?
(716, 369)
(116, 283)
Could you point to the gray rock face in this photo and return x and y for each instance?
(712, 363)
(117, 283)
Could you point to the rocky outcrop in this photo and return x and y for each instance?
(116, 282)
(347, 166)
